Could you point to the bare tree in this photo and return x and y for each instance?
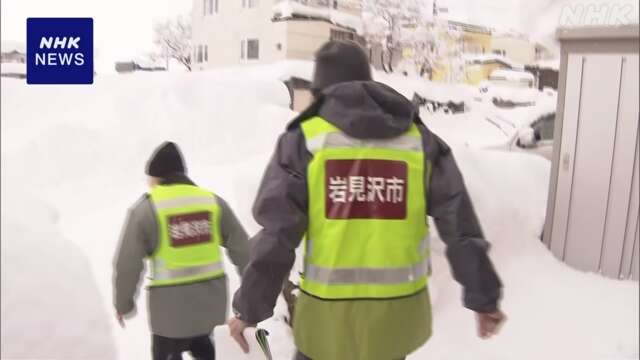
(385, 24)
(172, 38)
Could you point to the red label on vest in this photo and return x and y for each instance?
(189, 229)
(365, 189)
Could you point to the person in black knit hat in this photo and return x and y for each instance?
(331, 183)
(166, 160)
(179, 228)
(337, 62)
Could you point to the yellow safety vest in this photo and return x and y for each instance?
(367, 233)
(188, 235)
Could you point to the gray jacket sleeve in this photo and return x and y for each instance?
(450, 206)
(281, 209)
(136, 242)
(234, 237)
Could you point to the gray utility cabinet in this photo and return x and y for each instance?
(592, 213)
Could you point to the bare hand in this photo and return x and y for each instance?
(489, 323)
(236, 328)
(120, 318)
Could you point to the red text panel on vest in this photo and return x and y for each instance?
(189, 229)
(365, 189)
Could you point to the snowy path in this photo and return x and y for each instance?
(81, 151)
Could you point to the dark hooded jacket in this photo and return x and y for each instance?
(364, 110)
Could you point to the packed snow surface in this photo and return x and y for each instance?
(73, 161)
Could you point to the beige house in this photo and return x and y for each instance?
(519, 48)
(233, 33)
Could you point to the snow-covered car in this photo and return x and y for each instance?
(509, 88)
(522, 129)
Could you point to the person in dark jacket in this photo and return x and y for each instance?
(181, 227)
(366, 114)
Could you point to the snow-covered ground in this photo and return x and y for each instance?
(73, 160)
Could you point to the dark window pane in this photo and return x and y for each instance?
(253, 49)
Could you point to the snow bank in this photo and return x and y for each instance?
(51, 306)
(83, 149)
(13, 69)
(554, 312)
(484, 58)
(288, 8)
(511, 75)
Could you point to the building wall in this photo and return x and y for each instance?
(304, 37)
(516, 49)
(476, 43)
(223, 31)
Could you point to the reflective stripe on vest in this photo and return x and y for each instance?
(186, 201)
(168, 274)
(188, 235)
(366, 275)
(367, 234)
(341, 140)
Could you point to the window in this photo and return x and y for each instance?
(499, 52)
(250, 3)
(206, 53)
(209, 7)
(335, 4)
(253, 49)
(250, 49)
(341, 35)
(199, 56)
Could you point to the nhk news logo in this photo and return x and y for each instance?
(60, 51)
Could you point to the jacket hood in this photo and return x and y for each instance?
(367, 109)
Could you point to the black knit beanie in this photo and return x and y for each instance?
(166, 160)
(340, 61)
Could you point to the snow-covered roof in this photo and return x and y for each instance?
(553, 64)
(8, 46)
(485, 58)
(288, 9)
(512, 75)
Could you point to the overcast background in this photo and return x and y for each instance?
(123, 28)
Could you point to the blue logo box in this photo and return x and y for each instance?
(59, 51)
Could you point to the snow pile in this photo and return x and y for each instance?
(87, 162)
(436, 91)
(13, 69)
(554, 312)
(486, 58)
(512, 76)
(50, 298)
(290, 8)
(552, 64)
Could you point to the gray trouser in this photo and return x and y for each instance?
(301, 356)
